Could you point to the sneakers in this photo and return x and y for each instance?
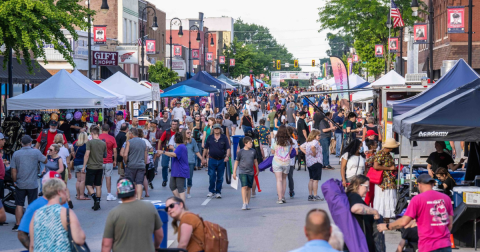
(70, 204)
(248, 208)
(218, 196)
(15, 228)
(318, 198)
(292, 194)
(284, 201)
(280, 202)
(244, 207)
(310, 198)
(210, 194)
(110, 197)
(164, 183)
(189, 196)
(96, 205)
(253, 196)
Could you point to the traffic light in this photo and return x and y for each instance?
(273, 63)
(279, 65)
(295, 63)
(313, 63)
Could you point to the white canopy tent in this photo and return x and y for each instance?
(245, 81)
(90, 85)
(61, 91)
(227, 86)
(392, 78)
(362, 96)
(354, 80)
(122, 84)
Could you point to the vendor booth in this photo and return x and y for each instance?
(122, 100)
(224, 78)
(209, 80)
(121, 84)
(184, 91)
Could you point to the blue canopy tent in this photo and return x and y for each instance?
(184, 91)
(361, 85)
(209, 80)
(224, 78)
(192, 83)
(459, 75)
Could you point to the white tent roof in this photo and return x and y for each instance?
(362, 96)
(392, 78)
(90, 85)
(245, 81)
(227, 86)
(61, 91)
(354, 80)
(121, 84)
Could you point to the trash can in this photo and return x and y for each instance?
(164, 217)
(235, 141)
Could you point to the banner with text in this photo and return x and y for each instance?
(151, 45)
(209, 57)
(393, 45)
(340, 75)
(100, 34)
(127, 54)
(420, 33)
(222, 60)
(195, 54)
(103, 58)
(232, 62)
(456, 18)
(379, 51)
(177, 51)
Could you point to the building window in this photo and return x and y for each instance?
(134, 36)
(124, 30)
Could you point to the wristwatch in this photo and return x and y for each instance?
(388, 226)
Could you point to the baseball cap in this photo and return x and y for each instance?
(371, 133)
(49, 175)
(425, 179)
(219, 117)
(302, 113)
(26, 139)
(154, 122)
(125, 188)
(217, 126)
(2, 136)
(53, 123)
(120, 113)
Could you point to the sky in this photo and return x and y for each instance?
(293, 25)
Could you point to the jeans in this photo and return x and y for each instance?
(42, 167)
(290, 178)
(255, 115)
(325, 142)
(198, 161)
(447, 249)
(292, 125)
(155, 164)
(165, 162)
(216, 170)
(338, 146)
(188, 182)
(246, 129)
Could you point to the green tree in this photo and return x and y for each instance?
(162, 75)
(26, 24)
(244, 56)
(339, 44)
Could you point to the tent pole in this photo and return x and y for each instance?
(399, 163)
(411, 169)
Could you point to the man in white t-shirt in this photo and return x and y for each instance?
(253, 106)
(178, 113)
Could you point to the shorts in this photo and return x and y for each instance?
(177, 183)
(20, 195)
(107, 170)
(136, 175)
(246, 180)
(94, 177)
(285, 169)
(315, 171)
(77, 169)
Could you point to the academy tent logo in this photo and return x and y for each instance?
(433, 134)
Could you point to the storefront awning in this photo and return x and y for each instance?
(21, 74)
(114, 69)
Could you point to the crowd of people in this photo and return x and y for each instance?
(278, 126)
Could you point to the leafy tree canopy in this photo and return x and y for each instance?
(162, 75)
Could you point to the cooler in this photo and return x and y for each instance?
(458, 193)
(164, 217)
(235, 141)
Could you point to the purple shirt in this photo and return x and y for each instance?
(180, 166)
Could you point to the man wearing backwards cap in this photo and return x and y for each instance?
(130, 225)
(433, 212)
(24, 227)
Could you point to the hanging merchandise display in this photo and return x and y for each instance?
(186, 102)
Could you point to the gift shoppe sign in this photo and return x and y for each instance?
(105, 58)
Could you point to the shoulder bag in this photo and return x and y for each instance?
(73, 246)
(71, 162)
(375, 176)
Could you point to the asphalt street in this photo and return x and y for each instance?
(266, 227)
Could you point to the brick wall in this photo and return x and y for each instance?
(110, 18)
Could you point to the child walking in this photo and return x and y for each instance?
(246, 159)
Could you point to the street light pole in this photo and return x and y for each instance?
(104, 9)
(204, 50)
(470, 32)
(193, 27)
(430, 31)
(154, 28)
(180, 34)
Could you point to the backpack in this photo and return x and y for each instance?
(168, 135)
(197, 133)
(216, 238)
(44, 139)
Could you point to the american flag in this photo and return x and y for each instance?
(396, 16)
(140, 40)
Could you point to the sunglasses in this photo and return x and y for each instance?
(367, 186)
(50, 149)
(170, 206)
(188, 132)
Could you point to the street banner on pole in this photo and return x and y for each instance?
(151, 45)
(104, 58)
(209, 57)
(340, 75)
(456, 17)
(195, 54)
(127, 54)
(232, 62)
(222, 60)
(420, 33)
(379, 51)
(393, 45)
(355, 58)
(177, 51)
(100, 34)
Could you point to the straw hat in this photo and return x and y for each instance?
(391, 143)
